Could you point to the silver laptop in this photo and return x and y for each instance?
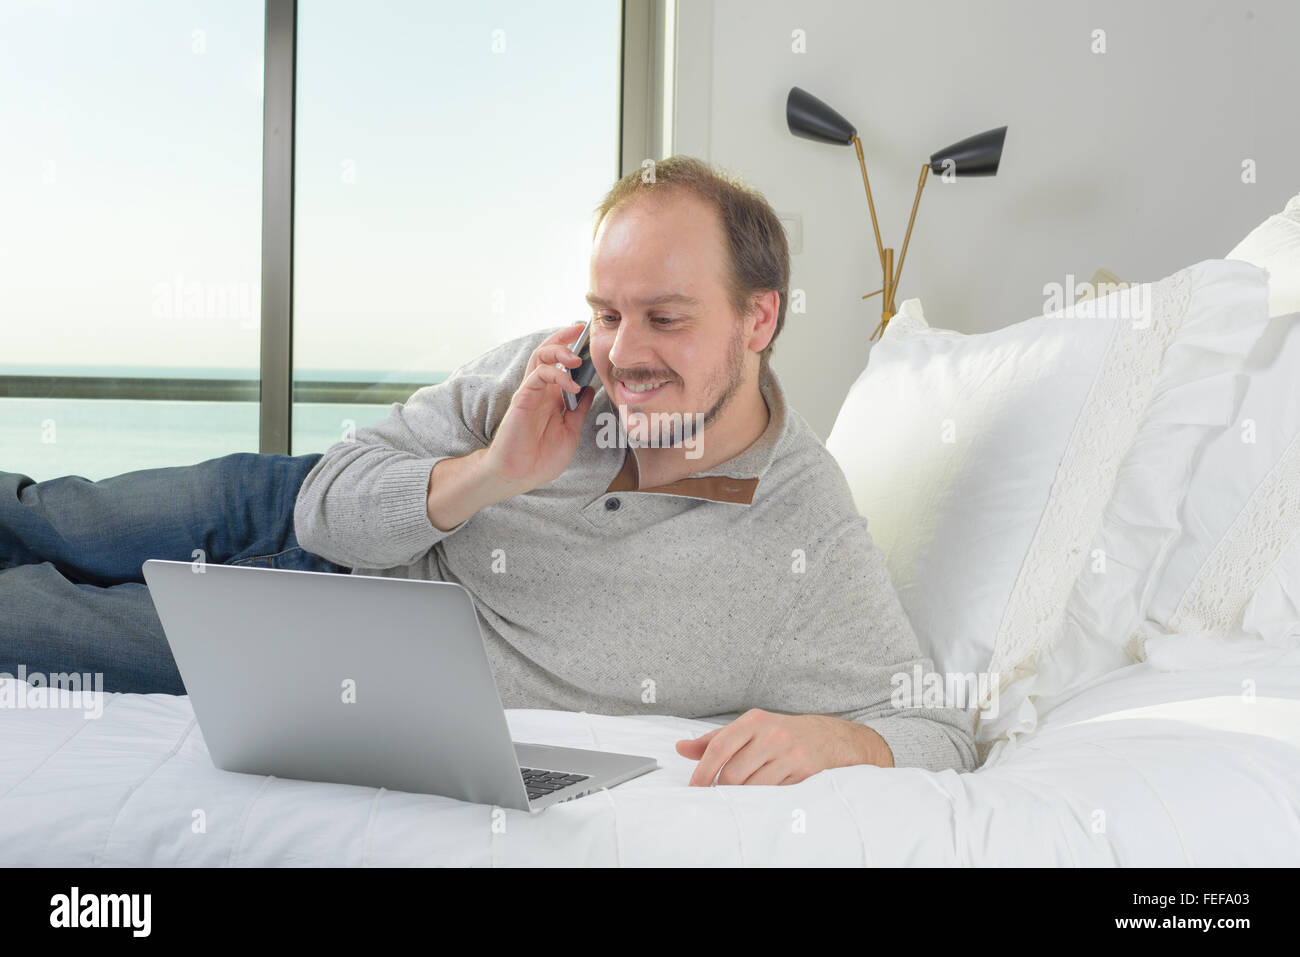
(357, 679)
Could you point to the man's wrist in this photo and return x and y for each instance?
(872, 748)
(459, 487)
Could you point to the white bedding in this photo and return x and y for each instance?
(1144, 767)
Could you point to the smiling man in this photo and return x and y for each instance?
(727, 574)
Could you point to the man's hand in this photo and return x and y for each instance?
(535, 442)
(760, 747)
(538, 437)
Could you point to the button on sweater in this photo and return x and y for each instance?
(753, 584)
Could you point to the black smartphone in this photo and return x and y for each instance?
(584, 373)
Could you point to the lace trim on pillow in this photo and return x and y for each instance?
(905, 322)
(1268, 523)
(1085, 477)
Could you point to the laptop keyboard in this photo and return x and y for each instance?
(541, 783)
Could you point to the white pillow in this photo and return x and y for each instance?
(950, 443)
(1242, 511)
(1273, 612)
(1236, 565)
(1275, 245)
(995, 469)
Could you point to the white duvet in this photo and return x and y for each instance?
(1190, 758)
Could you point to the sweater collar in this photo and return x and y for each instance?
(735, 480)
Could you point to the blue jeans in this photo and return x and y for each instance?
(72, 596)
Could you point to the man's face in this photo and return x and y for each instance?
(663, 317)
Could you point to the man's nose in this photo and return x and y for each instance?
(631, 346)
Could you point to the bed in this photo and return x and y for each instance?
(1140, 610)
(1152, 765)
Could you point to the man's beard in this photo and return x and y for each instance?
(673, 434)
(735, 375)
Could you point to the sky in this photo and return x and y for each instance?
(449, 159)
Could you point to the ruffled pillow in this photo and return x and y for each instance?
(1023, 484)
(1182, 395)
(1236, 565)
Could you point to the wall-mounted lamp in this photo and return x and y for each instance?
(976, 155)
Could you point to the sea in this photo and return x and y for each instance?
(98, 438)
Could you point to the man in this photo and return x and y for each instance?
(617, 573)
(726, 573)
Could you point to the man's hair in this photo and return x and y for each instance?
(757, 252)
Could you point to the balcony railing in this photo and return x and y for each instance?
(198, 389)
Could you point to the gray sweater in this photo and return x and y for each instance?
(754, 584)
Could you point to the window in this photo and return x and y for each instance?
(130, 211)
(448, 160)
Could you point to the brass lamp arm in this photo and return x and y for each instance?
(887, 270)
(893, 285)
(880, 247)
(892, 276)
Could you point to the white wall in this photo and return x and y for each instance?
(1129, 160)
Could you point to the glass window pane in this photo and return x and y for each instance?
(449, 157)
(130, 225)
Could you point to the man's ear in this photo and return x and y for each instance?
(761, 320)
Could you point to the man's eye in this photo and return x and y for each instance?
(660, 320)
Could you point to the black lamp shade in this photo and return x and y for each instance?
(812, 119)
(976, 155)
